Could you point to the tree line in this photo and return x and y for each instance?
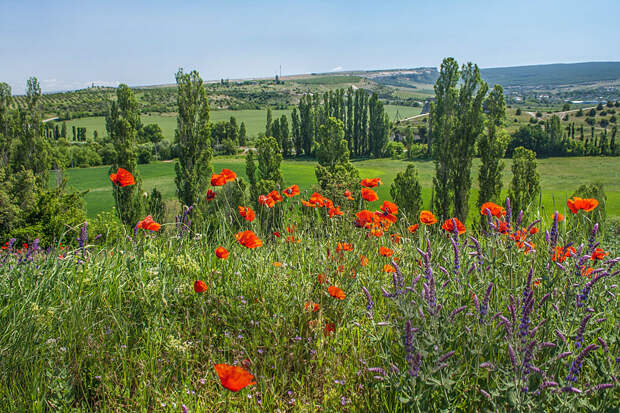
(365, 123)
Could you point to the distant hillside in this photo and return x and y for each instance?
(553, 74)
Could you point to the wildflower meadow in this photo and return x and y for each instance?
(297, 303)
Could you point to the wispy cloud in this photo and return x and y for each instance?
(337, 69)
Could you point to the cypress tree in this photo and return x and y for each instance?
(268, 124)
(285, 140)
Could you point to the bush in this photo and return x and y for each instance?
(395, 149)
(407, 192)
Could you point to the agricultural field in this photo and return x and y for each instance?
(559, 178)
(254, 119)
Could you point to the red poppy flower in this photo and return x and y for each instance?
(310, 306)
(363, 260)
(348, 195)
(560, 217)
(148, 224)
(533, 230)
(560, 254)
(343, 246)
(329, 328)
(328, 203)
(587, 272)
(122, 177)
(291, 191)
(364, 218)
(427, 218)
(371, 183)
(389, 208)
(266, 200)
(228, 174)
(335, 211)
(275, 195)
(395, 238)
(218, 180)
(448, 225)
(599, 254)
(386, 252)
(576, 203)
(247, 213)
(317, 199)
(413, 228)
(221, 253)
(369, 195)
(496, 210)
(336, 292)
(248, 239)
(308, 204)
(210, 195)
(277, 234)
(200, 286)
(320, 278)
(291, 228)
(234, 378)
(502, 227)
(388, 268)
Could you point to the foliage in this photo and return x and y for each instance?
(122, 124)
(407, 193)
(456, 123)
(193, 168)
(525, 185)
(491, 147)
(269, 156)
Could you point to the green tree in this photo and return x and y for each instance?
(250, 168)
(122, 124)
(193, 168)
(334, 173)
(525, 185)
(492, 147)
(296, 132)
(156, 207)
(268, 124)
(378, 128)
(457, 122)
(407, 192)
(306, 126)
(269, 158)
(285, 139)
(242, 134)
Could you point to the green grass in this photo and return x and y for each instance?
(559, 178)
(120, 328)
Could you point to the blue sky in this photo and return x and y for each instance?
(70, 44)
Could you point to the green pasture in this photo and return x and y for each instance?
(254, 119)
(559, 178)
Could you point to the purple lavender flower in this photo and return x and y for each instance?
(592, 239)
(446, 356)
(370, 304)
(413, 360)
(508, 211)
(455, 247)
(582, 328)
(573, 373)
(478, 251)
(585, 292)
(484, 309)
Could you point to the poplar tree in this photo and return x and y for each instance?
(193, 169)
(268, 124)
(457, 122)
(407, 192)
(285, 140)
(378, 127)
(242, 134)
(296, 133)
(492, 147)
(122, 125)
(525, 185)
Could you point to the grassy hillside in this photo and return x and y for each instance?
(559, 178)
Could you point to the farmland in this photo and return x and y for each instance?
(559, 178)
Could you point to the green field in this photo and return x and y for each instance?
(254, 120)
(559, 178)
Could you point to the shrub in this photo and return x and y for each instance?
(525, 185)
(407, 192)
